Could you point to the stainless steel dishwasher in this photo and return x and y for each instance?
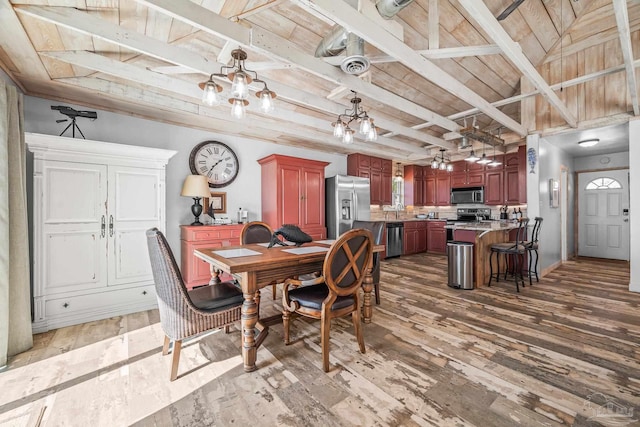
(395, 232)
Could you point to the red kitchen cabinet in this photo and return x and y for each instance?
(415, 237)
(467, 174)
(437, 189)
(430, 191)
(494, 188)
(293, 193)
(443, 189)
(379, 172)
(195, 271)
(436, 237)
(414, 185)
(512, 186)
(507, 184)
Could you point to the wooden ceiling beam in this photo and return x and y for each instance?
(441, 53)
(357, 23)
(88, 24)
(622, 19)
(277, 47)
(483, 16)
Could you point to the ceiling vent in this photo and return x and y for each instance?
(355, 61)
(339, 39)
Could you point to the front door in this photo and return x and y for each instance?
(603, 215)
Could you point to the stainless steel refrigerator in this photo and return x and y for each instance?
(347, 199)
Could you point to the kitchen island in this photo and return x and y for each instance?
(483, 234)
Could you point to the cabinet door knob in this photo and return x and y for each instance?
(65, 305)
(144, 292)
(110, 225)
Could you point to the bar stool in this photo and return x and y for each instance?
(532, 246)
(514, 249)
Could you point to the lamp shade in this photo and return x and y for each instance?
(195, 186)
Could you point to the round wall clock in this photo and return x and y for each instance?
(216, 161)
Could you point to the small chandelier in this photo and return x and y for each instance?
(398, 176)
(341, 127)
(241, 78)
(441, 163)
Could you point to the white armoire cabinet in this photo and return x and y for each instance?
(92, 204)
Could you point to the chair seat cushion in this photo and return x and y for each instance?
(507, 247)
(312, 296)
(216, 297)
(531, 245)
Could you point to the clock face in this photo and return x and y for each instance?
(216, 161)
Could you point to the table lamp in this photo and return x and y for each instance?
(196, 186)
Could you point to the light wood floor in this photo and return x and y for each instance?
(563, 352)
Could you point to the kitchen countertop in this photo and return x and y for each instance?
(415, 219)
(484, 226)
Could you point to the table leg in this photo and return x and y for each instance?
(215, 275)
(367, 286)
(249, 319)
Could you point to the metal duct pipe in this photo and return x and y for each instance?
(333, 43)
(389, 8)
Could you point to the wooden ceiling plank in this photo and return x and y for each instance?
(434, 25)
(271, 44)
(513, 51)
(355, 22)
(622, 19)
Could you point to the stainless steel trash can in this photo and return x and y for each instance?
(460, 271)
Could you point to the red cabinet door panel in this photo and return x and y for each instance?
(313, 198)
(511, 186)
(291, 195)
(443, 190)
(493, 190)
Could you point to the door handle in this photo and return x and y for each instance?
(110, 225)
(103, 225)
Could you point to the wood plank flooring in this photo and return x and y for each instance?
(565, 351)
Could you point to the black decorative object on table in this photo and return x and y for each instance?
(211, 212)
(291, 233)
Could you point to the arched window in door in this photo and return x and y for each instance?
(603, 184)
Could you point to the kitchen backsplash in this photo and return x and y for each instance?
(442, 212)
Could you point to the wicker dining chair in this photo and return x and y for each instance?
(334, 294)
(183, 313)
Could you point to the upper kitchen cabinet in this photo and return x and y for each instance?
(507, 183)
(437, 187)
(293, 193)
(380, 174)
(414, 185)
(467, 174)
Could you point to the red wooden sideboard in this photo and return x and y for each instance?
(195, 272)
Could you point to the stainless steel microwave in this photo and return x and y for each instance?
(461, 196)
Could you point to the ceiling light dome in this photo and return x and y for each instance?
(588, 142)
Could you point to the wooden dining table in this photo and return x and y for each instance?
(256, 266)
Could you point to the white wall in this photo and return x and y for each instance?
(550, 159)
(244, 192)
(634, 203)
(602, 161)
